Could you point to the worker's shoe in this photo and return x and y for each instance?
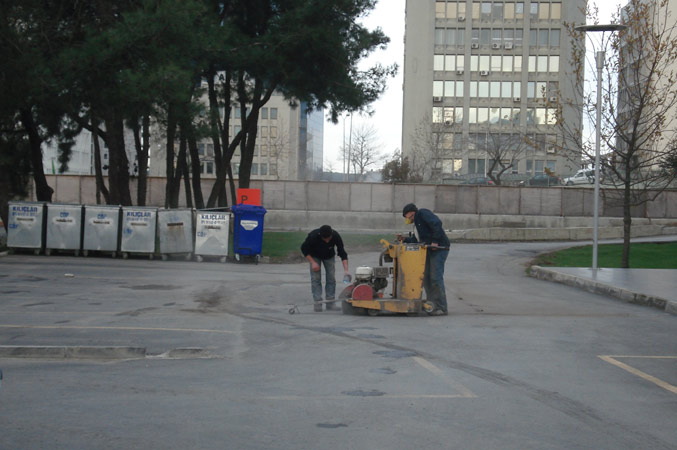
(438, 312)
(332, 306)
(318, 307)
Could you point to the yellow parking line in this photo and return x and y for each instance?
(464, 392)
(611, 360)
(71, 327)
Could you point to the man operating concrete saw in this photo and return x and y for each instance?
(431, 233)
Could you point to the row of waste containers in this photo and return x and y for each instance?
(135, 230)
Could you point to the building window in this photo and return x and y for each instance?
(236, 168)
(255, 169)
(273, 132)
(438, 63)
(264, 113)
(476, 166)
(264, 169)
(440, 10)
(554, 38)
(519, 10)
(273, 169)
(273, 113)
(438, 88)
(264, 150)
(555, 11)
(210, 167)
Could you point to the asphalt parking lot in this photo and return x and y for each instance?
(220, 363)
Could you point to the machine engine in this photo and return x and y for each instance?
(368, 281)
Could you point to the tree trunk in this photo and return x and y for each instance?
(118, 164)
(220, 135)
(195, 167)
(143, 151)
(98, 173)
(171, 136)
(183, 165)
(627, 221)
(43, 191)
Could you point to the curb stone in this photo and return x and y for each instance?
(597, 287)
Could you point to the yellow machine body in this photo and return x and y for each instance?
(407, 281)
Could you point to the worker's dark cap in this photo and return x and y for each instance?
(409, 208)
(325, 231)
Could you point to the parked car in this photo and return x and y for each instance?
(543, 179)
(486, 181)
(583, 176)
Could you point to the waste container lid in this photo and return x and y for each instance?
(248, 209)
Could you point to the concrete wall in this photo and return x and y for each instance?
(365, 206)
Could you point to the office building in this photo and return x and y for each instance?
(489, 74)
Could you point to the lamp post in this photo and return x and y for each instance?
(599, 58)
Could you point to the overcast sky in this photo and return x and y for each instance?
(387, 117)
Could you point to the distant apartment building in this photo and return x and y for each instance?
(82, 155)
(475, 71)
(641, 72)
(289, 144)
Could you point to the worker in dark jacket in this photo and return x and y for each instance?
(318, 249)
(431, 233)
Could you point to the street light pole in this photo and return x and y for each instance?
(599, 58)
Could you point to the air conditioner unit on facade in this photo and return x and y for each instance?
(447, 122)
(474, 45)
(495, 46)
(550, 150)
(508, 45)
(516, 99)
(459, 72)
(437, 99)
(484, 73)
(553, 99)
(461, 18)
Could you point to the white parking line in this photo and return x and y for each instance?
(464, 392)
(611, 360)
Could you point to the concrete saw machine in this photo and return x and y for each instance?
(366, 295)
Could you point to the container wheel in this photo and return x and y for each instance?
(112, 254)
(198, 258)
(257, 259)
(48, 251)
(164, 257)
(125, 255)
(85, 253)
(223, 259)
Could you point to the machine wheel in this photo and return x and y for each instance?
(373, 312)
(569, 183)
(428, 307)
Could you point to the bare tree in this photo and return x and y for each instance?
(364, 150)
(639, 104)
(504, 150)
(432, 143)
(279, 149)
